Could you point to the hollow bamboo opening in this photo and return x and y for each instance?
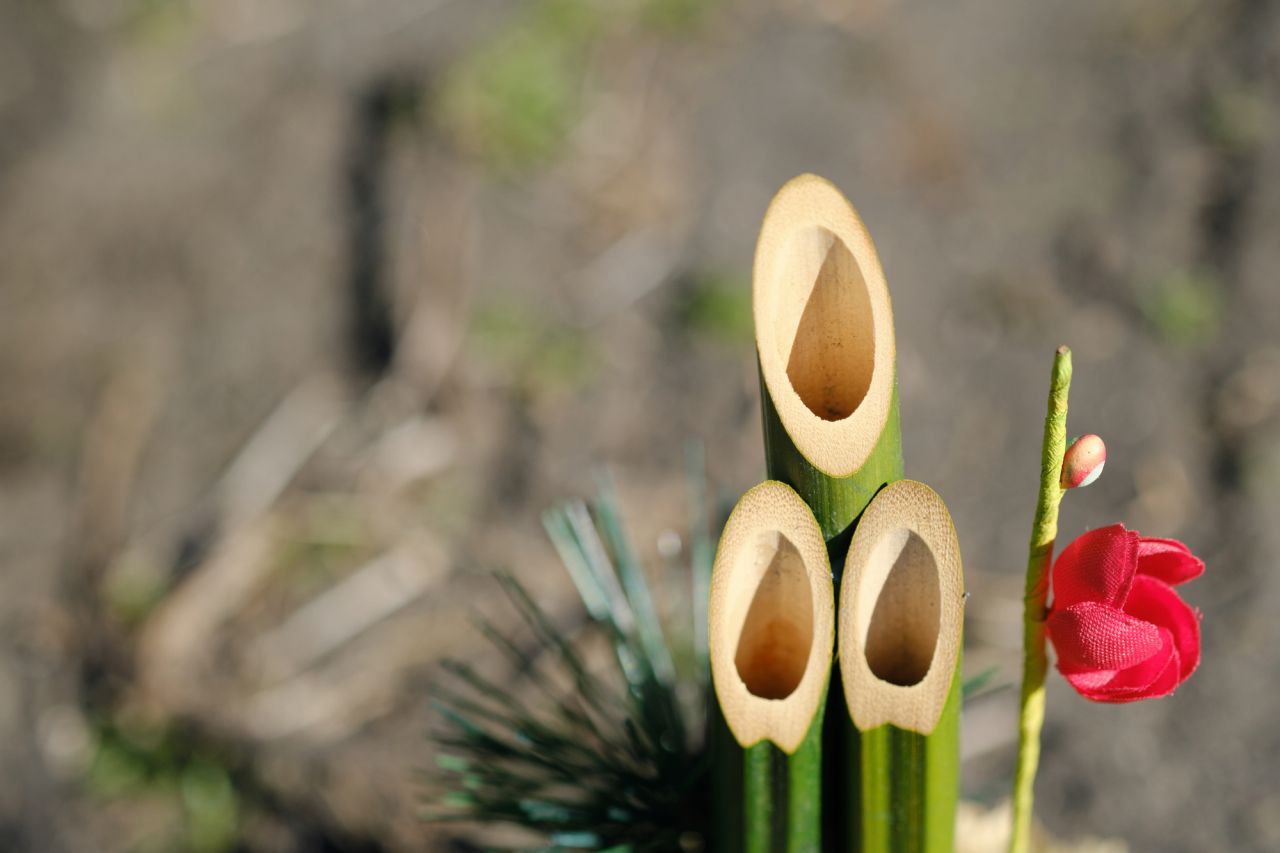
(831, 352)
(771, 617)
(777, 635)
(903, 630)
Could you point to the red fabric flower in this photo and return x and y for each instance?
(1120, 630)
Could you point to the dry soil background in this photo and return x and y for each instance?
(298, 293)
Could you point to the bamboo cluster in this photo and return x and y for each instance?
(834, 553)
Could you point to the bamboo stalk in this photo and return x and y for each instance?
(836, 503)
(825, 342)
(910, 784)
(759, 774)
(727, 772)
(1044, 530)
(900, 622)
(771, 616)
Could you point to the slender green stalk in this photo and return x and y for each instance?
(1034, 661)
(837, 502)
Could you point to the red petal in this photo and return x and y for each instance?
(1087, 683)
(1090, 637)
(1098, 566)
(1156, 602)
(1155, 677)
(1151, 679)
(1169, 560)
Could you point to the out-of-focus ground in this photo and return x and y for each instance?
(308, 308)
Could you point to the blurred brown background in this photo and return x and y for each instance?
(309, 307)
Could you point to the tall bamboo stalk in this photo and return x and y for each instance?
(825, 341)
(837, 502)
(900, 626)
(824, 336)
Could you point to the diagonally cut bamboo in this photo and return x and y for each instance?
(901, 610)
(825, 342)
(899, 626)
(771, 615)
(824, 327)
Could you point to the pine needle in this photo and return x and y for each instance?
(616, 761)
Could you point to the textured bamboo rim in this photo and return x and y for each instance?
(824, 325)
(771, 616)
(901, 610)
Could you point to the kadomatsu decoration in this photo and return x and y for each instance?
(815, 704)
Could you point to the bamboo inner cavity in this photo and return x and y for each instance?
(903, 632)
(832, 342)
(777, 635)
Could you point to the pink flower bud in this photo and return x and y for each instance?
(1083, 461)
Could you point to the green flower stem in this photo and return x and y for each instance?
(1034, 661)
(837, 502)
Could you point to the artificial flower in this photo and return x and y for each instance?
(1120, 630)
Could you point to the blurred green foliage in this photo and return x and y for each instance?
(332, 536)
(719, 306)
(1236, 119)
(1185, 308)
(529, 346)
(676, 16)
(138, 761)
(513, 101)
(157, 22)
(133, 592)
(211, 806)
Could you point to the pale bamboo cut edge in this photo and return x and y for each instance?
(817, 275)
(765, 510)
(886, 567)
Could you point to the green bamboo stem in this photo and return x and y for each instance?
(824, 337)
(909, 784)
(761, 768)
(1044, 530)
(727, 776)
(783, 794)
(836, 502)
(804, 789)
(906, 757)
